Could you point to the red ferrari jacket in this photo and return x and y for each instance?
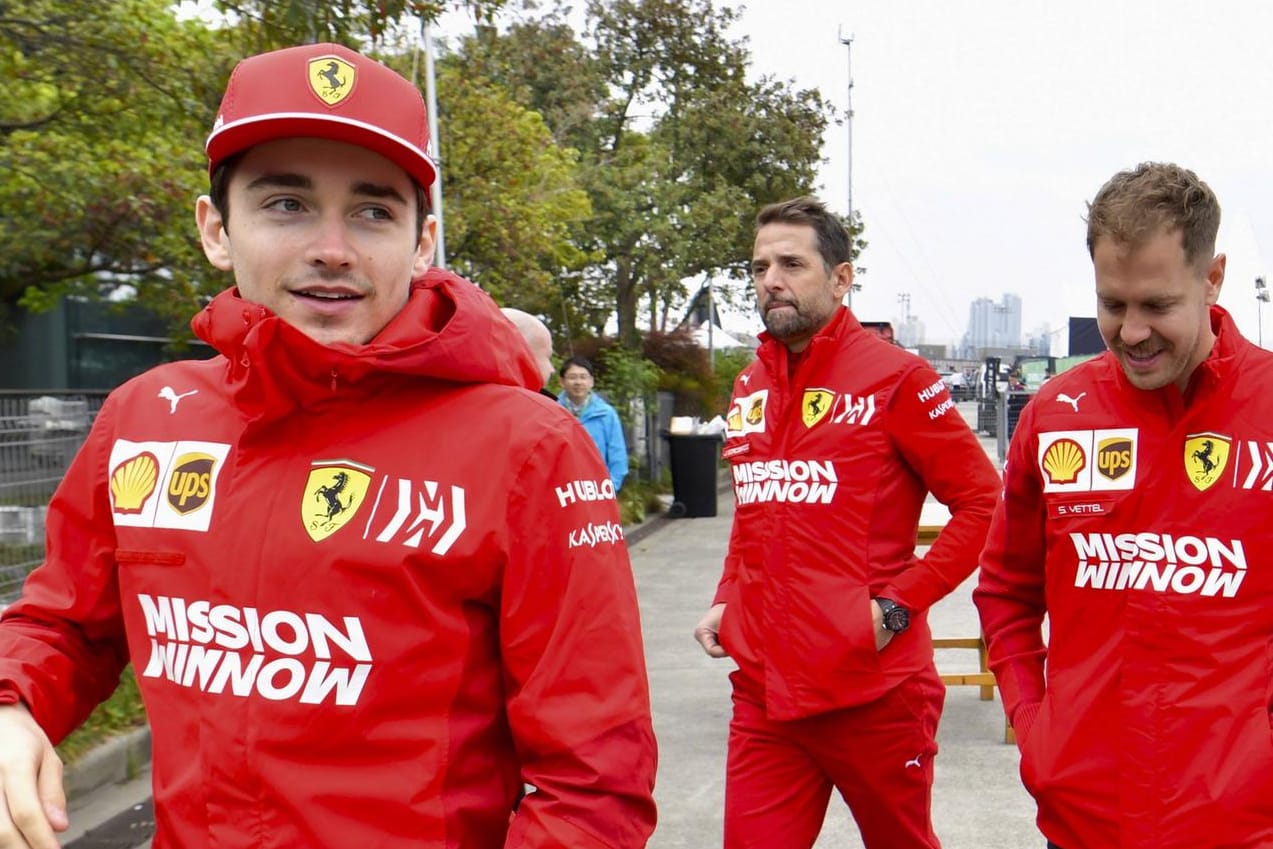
(1138, 522)
(832, 456)
(367, 591)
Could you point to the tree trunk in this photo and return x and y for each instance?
(625, 285)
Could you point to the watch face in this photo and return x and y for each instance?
(897, 620)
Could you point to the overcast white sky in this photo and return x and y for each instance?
(981, 129)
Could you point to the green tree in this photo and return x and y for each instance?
(106, 105)
(543, 64)
(512, 201)
(101, 131)
(268, 24)
(720, 146)
(677, 148)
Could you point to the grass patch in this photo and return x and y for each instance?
(13, 553)
(638, 499)
(121, 713)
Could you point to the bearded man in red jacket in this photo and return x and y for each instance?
(1135, 517)
(357, 563)
(835, 438)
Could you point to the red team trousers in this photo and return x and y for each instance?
(879, 756)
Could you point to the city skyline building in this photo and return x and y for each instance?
(993, 325)
(1039, 340)
(910, 332)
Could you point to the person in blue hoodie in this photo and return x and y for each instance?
(598, 417)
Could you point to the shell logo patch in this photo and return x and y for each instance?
(331, 79)
(1206, 455)
(189, 471)
(1088, 460)
(815, 405)
(1063, 461)
(133, 481)
(334, 492)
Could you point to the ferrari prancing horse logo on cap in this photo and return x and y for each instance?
(330, 78)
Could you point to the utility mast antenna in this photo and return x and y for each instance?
(848, 123)
(848, 46)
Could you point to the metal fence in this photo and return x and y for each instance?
(1007, 410)
(39, 434)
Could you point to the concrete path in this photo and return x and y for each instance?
(978, 799)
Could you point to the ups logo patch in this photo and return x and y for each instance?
(190, 482)
(1114, 457)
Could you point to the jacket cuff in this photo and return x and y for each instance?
(1023, 720)
(724, 591)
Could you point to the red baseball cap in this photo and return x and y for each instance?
(323, 91)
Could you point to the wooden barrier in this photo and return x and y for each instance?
(984, 678)
(927, 534)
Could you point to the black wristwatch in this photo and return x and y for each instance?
(896, 618)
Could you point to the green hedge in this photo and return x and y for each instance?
(122, 712)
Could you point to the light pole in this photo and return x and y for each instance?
(904, 332)
(1261, 298)
(435, 146)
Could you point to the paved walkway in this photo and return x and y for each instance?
(978, 799)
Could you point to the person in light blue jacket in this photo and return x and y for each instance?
(598, 417)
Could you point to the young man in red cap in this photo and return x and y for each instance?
(1135, 517)
(351, 558)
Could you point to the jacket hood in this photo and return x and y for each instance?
(449, 330)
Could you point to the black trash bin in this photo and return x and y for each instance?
(694, 458)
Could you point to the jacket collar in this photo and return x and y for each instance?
(1225, 354)
(449, 330)
(1222, 363)
(776, 356)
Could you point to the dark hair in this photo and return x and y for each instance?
(834, 244)
(1137, 205)
(219, 193)
(219, 187)
(583, 363)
